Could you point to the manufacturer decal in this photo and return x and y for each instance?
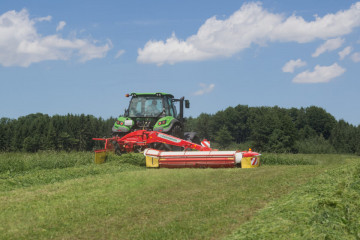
(168, 137)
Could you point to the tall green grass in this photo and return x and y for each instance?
(19, 170)
(304, 159)
(19, 162)
(287, 159)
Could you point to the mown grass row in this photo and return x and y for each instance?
(151, 204)
(327, 207)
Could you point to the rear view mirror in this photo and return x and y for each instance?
(187, 104)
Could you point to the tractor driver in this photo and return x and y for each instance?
(153, 109)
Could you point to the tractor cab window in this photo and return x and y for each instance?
(153, 106)
(135, 107)
(168, 110)
(145, 106)
(172, 108)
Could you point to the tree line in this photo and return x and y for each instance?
(265, 129)
(275, 129)
(38, 131)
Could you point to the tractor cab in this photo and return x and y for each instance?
(150, 106)
(152, 111)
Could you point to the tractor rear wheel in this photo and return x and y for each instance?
(176, 131)
(196, 140)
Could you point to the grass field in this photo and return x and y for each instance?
(65, 196)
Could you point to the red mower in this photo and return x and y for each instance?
(151, 125)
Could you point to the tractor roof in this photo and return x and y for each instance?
(152, 94)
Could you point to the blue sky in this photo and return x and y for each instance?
(59, 57)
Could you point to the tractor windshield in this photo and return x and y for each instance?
(145, 106)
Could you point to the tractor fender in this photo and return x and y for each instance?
(122, 124)
(120, 129)
(170, 122)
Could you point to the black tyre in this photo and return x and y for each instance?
(176, 131)
(117, 148)
(196, 140)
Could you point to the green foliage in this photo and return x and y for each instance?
(274, 129)
(31, 144)
(20, 162)
(319, 120)
(233, 146)
(345, 137)
(316, 144)
(23, 162)
(136, 159)
(223, 137)
(24, 169)
(36, 132)
(287, 159)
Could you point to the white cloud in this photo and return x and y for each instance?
(119, 53)
(60, 26)
(172, 51)
(22, 45)
(328, 46)
(346, 51)
(204, 89)
(356, 57)
(90, 51)
(321, 74)
(292, 64)
(251, 24)
(43, 19)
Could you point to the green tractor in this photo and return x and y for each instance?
(155, 112)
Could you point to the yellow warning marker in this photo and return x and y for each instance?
(250, 162)
(100, 156)
(152, 162)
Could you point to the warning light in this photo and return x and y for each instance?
(249, 149)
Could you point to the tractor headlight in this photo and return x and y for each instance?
(162, 122)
